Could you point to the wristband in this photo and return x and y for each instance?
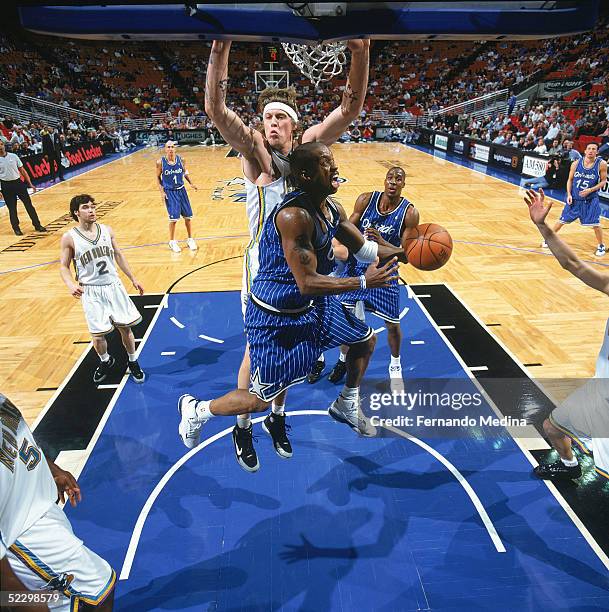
(362, 282)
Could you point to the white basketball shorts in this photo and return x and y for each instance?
(48, 556)
(107, 307)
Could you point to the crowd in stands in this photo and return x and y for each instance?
(164, 82)
(27, 137)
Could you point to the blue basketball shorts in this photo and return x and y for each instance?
(178, 204)
(284, 347)
(587, 211)
(384, 302)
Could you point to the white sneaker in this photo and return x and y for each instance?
(190, 424)
(348, 411)
(395, 371)
(544, 245)
(192, 245)
(174, 246)
(600, 252)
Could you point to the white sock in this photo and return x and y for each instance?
(321, 358)
(277, 409)
(132, 356)
(342, 357)
(105, 357)
(203, 410)
(395, 361)
(350, 393)
(570, 463)
(244, 421)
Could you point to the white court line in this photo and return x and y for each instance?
(417, 342)
(423, 295)
(568, 510)
(102, 423)
(492, 532)
(65, 381)
(217, 340)
(151, 305)
(108, 386)
(446, 327)
(177, 323)
(478, 368)
(55, 395)
(378, 330)
(141, 519)
(169, 353)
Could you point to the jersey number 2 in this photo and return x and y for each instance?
(102, 267)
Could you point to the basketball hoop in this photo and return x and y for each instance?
(319, 62)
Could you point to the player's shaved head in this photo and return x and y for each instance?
(396, 169)
(305, 158)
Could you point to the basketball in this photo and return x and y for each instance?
(428, 246)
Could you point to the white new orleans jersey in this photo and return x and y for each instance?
(27, 488)
(94, 258)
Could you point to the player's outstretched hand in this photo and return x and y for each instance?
(139, 287)
(76, 291)
(66, 485)
(383, 275)
(358, 44)
(538, 208)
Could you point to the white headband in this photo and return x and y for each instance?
(280, 106)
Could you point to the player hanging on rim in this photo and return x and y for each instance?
(171, 172)
(94, 250)
(292, 314)
(384, 217)
(587, 177)
(266, 168)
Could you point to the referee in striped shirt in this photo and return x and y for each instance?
(12, 187)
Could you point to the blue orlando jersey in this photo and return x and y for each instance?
(172, 175)
(389, 225)
(584, 178)
(275, 285)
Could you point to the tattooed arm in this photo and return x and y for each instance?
(242, 138)
(337, 122)
(296, 229)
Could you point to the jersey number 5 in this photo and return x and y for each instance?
(30, 455)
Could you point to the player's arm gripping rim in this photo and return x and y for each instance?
(336, 123)
(159, 179)
(66, 256)
(242, 138)
(352, 238)
(187, 175)
(121, 262)
(538, 210)
(296, 229)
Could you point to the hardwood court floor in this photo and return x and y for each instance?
(544, 314)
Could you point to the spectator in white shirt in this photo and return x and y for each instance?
(541, 148)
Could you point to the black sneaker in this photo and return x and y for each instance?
(18, 232)
(315, 374)
(275, 426)
(245, 452)
(41, 229)
(102, 370)
(338, 372)
(136, 372)
(558, 470)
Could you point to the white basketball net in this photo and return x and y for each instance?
(317, 62)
